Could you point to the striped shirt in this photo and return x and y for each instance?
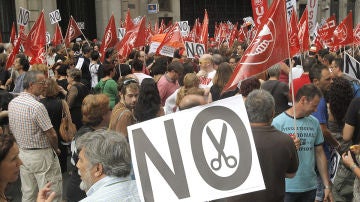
(113, 189)
(28, 119)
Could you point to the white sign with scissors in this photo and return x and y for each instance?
(194, 155)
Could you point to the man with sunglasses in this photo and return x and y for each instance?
(122, 114)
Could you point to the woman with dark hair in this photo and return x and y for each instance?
(9, 163)
(54, 105)
(222, 76)
(249, 85)
(107, 85)
(96, 115)
(148, 105)
(60, 74)
(76, 93)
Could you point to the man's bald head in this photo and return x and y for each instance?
(191, 100)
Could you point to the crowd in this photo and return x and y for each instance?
(294, 135)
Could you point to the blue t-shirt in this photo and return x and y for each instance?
(321, 112)
(310, 135)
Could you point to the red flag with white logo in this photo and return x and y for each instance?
(259, 7)
(109, 39)
(303, 27)
(13, 33)
(72, 31)
(343, 34)
(57, 38)
(133, 38)
(172, 39)
(294, 44)
(204, 30)
(357, 34)
(233, 35)
(269, 46)
(327, 30)
(242, 34)
(162, 27)
(128, 21)
(15, 50)
(36, 39)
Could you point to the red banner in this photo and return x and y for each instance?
(259, 7)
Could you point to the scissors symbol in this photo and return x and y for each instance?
(230, 160)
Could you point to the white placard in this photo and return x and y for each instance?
(194, 49)
(55, 16)
(351, 66)
(312, 14)
(176, 157)
(23, 17)
(47, 36)
(121, 33)
(167, 51)
(81, 25)
(184, 28)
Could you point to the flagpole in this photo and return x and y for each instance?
(291, 78)
(63, 41)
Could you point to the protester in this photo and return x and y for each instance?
(222, 76)
(137, 67)
(53, 102)
(192, 100)
(337, 70)
(83, 64)
(303, 186)
(270, 144)
(94, 68)
(122, 115)
(96, 115)
(107, 85)
(9, 163)
(21, 66)
(148, 105)
(104, 165)
(60, 72)
(279, 90)
(339, 97)
(249, 85)
(76, 93)
(207, 71)
(37, 139)
(168, 83)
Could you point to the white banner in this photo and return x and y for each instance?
(312, 13)
(194, 49)
(351, 66)
(23, 17)
(200, 154)
(121, 33)
(184, 28)
(55, 16)
(290, 4)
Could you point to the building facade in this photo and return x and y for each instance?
(94, 14)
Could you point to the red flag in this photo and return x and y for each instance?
(156, 27)
(326, 31)
(204, 30)
(242, 34)
(343, 34)
(36, 39)
(109, 39)
(128, 21)
(15, 50)
(294, 44)
(39, 57)
(133, 38)
(357, 35)
(13, 33)
(162, 27)
(57, 38)
(148, 33)
(72, 31)
(233, 35)
(269, 46)
(172, 39)
(259, 7)
(303, 27)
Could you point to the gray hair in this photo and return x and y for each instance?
(30, 77)
(108, 148)
(217, 59)
(260, 106)
(274, 71)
